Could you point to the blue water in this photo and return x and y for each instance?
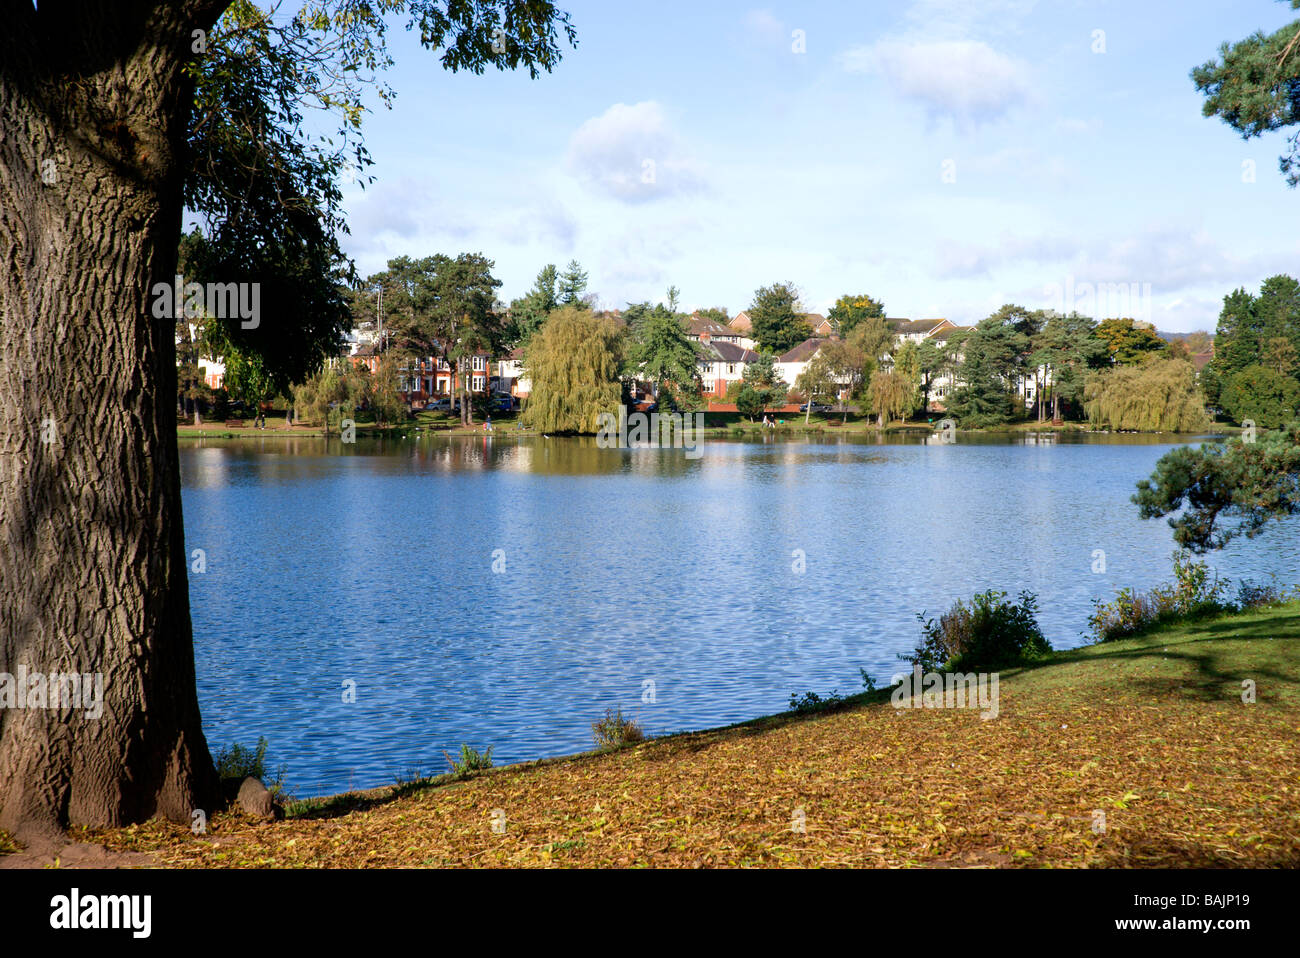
(639, 579)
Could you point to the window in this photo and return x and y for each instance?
(476, 384)
(478, 364)
(731, 368)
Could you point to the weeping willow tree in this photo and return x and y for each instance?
(1160, 395)
(573, 363)
(332, 394)
(891, 395)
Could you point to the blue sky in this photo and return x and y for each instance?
(1064, 166)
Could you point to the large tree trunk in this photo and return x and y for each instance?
(92, 550)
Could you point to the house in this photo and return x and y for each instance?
(706, 331)
(421, 378)
(510, 377)
(212, 369)
(742, 324)
(793, 362)
(723, 363)
(941, 384)
(820, 325)
(367, 355)
(916, 330)
(473, 372)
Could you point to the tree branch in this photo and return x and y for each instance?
(1286, 51)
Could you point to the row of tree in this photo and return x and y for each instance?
(1117, 373)
(1255, 373)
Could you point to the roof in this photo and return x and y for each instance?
(730, 353)
(944, 335)
(908, 327)
(803, 352)
(696, 326)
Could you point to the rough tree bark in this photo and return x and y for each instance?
(93, 112)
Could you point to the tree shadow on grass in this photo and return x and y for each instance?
(1207, 682)
(1212, 669)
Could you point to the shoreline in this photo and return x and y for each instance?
(1151, 731)
(730, 431)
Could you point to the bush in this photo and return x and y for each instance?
(616, 730)
(989, 631)
(1265, 396)
(1193, 595)
(1251, 596)
(812, 702)
(471, 760)
(237, 763)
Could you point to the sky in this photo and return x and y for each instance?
(943, 156)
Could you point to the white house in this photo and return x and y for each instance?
(510, 376)
(741, 324)
(722, 364)
(917, 330)
(793, 362)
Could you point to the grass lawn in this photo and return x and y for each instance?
(717, 425)
(1152, 731)
(276, 426)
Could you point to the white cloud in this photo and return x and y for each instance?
(1075, 125)
(548, 224)
(764, 25)
(959, 18)
(632, 154)
(968, 260)
(639, 259)
(966, 80)
(1170, 258)
(402, 208)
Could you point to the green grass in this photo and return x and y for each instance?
(1151, 730)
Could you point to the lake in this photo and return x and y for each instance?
(505, 592)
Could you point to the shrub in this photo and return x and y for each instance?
(412, 776)
(1251, 596)
(812, 702)
(1192, 595)
(237, 763)
(989, 631)
(471, 760)
(616, 730)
